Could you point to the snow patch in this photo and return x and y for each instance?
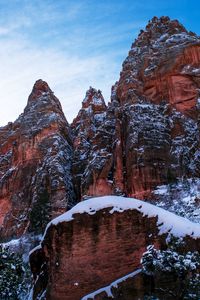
(36, 248)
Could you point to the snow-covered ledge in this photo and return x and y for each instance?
(167, 221)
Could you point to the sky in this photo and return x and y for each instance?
(73, 45)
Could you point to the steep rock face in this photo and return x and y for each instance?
(149, 134)
(99, 241)
(35, 156)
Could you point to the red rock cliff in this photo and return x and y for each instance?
(149, 134)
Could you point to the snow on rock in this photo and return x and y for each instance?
(23, 245)
(108, 289)
(167, 221)
(181, 198)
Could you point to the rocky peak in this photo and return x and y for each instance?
(116, 148)
(36, 146)
(92, 112)
(41, 85)
(42, 98)
(85, 129)
(40, 89)
(158, 65)
(94, 101)
(159, 28)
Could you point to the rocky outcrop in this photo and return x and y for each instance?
(35, 156)
(99, 241)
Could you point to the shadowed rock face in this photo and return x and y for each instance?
(35, 156)
(149, 134)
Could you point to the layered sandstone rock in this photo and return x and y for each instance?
(35, 156)
(99, 241)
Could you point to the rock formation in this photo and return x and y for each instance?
(35, 156)
(99, 241)
(149, 133)
(146, 137)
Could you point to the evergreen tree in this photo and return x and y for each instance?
(14, 275)
(183, 267)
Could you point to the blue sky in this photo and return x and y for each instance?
(72, 45)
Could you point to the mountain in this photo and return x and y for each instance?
(144, 144)
(149, 134)
(35, 155)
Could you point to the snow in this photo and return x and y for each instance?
(23, 245)
(100, 116)
(143, 105)
(180, 198)
(198, 101)
(108, 289)
(161, 190)
(30, 296)
(34, 249)
(167, 221)
(14, 242)
(163, 37)
(180, 37)
(97, 101)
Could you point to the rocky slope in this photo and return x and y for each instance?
(35, 155)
